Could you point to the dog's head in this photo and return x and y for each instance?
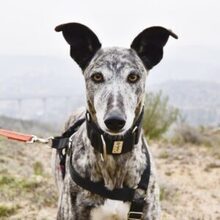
(115, 77)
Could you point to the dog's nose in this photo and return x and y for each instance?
(115, 122)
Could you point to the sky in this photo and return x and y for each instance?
(27, 27)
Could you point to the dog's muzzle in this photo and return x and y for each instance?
(115, 121)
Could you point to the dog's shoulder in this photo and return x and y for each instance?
(76, 115)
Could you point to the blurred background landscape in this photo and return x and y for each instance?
(40, 86)
(47, 89)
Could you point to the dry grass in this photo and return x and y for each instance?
(27, 187)
(188, 176)
(7, 210)
(189, 180)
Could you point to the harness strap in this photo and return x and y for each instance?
(123, 194)
(137, 206)
(60, 143)
(144, 182)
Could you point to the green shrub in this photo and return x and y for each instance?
(187, 134)
(6, 180)
(158, 115)
(38, 168)
(6, 211)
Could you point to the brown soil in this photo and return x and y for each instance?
(190, 182)
(189, 177)
(27, 187)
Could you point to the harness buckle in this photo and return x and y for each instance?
(132, 215)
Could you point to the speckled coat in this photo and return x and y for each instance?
(76, 203)
(116, 92)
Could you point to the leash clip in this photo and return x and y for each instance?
(39, 140)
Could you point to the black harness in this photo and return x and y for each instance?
(114, 145)
(61, 143)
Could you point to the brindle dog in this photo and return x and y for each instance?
(115, 89)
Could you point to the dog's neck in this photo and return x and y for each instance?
(113, 168)
(118, 171)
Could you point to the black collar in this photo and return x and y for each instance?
(105, 143)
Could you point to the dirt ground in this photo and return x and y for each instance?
(189, 177)
(27, 189)
(190, 181)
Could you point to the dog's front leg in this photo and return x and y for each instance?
(66, 202)
(152, 207)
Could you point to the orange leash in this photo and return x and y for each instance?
(28, 138)
(16, 136)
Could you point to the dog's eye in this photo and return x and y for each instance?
(97, 77)
(133, 78)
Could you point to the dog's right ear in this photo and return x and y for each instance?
(83, 42)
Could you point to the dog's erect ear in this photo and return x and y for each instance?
(149, 45)
(83, 42)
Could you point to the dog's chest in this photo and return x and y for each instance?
(110, 210)
(113, 172)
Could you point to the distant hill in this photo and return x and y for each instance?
(191, 62)
(48, 89)
(199, 102)
(45, 89)
(37, 76)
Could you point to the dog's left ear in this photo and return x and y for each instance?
(149, 45)
(83, 42)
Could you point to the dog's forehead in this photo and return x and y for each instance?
(115, 58)
(115, 53)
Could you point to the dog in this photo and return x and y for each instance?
(108, 172)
